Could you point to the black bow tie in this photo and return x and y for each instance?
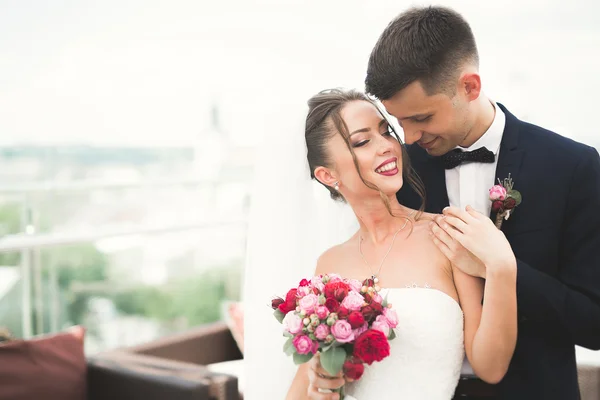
(456, 157)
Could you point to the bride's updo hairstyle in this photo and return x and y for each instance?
(324, 120)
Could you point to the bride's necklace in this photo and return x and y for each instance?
(375, 276)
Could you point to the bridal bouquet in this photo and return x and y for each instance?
(345, 320)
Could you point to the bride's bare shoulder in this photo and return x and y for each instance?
(424, 218)
(332, 257)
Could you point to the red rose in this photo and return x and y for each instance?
(368, 282)
(336, 290)
(276, 302)
(303, 282)
(510, 203)
(356, 319)
(290, 302)
(377, 307)
(497, 205)
(353, 369)
(367, 297)
(332, 305)
(368, 313)
(371, 311)
(343, 312)
(371, 346)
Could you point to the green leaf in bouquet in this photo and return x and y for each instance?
(279, 315)
(384, 303)
(515, 194)
(287, 334)
(392, 334)
(333, 360)
(302, 358)
(288, 347)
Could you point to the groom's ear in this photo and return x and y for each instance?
(470, 83)
(325, 176)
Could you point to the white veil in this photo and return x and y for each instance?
(292, 221)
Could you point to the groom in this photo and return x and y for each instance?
(424, 69)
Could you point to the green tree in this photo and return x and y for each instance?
(78, 264)
(10, 223)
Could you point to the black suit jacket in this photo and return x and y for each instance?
(555, 235)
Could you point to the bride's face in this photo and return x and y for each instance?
(378, 153)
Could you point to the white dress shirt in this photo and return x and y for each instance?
(469, 184)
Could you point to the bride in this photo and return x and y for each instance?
(444, 311)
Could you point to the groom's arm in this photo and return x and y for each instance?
(569, 304)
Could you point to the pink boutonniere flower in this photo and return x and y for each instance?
(504, 199)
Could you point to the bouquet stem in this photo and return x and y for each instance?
(341, 392)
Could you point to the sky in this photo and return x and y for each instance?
(146, 72)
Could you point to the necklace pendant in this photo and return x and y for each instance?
(375, 278)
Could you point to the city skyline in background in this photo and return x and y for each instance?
(132, 73)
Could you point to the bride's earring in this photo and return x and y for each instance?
(336, 186)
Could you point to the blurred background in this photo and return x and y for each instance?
(130, 132)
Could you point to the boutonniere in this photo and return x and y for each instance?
(504, 199)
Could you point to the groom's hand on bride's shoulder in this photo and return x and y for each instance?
(444, 230)
(321, 382)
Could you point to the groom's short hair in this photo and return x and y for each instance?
(426, 44)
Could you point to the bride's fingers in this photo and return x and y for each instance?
(454, 222)
(458, 213)
(315, 393)
(446, 233)
(442, 235)
(443, 248)
(474, 213)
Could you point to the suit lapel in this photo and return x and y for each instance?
(511, 156)
(436, 191)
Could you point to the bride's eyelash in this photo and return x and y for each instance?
(389, 131)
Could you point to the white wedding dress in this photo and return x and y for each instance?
(425, 357)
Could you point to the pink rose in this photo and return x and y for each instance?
(333, 278)
(322, 312)
(303, 291)
(342, 331)
(316, 282)
(304, 345)
(353, 301)
(292, 323)
(359, 331)
(321, 332)
(309, 302)
(391, 317)
(377, 298)
(354, 284)
(497, 192)
(381, 324)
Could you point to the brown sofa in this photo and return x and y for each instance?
(174, 368)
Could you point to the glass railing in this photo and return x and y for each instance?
(131, 261)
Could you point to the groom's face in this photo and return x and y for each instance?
(437, 123)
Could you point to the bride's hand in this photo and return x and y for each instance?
(478, 234)
(321, 383)
(460, 257)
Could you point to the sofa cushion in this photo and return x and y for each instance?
(51, 367)
(234, 318)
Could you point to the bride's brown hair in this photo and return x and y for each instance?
(324, 120)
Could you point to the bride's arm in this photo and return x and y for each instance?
(477, 249)
(491, 327)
